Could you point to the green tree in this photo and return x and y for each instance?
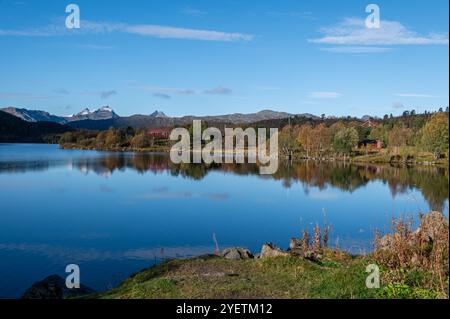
(345, 140)
(435, 134)
(380, 133)
(68, 137)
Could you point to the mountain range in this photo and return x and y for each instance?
(102, 113)
(105, 117)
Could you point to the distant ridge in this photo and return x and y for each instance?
(105, 117)
(15, 129)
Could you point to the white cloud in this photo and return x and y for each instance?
(148, 30)
(325, 95)
(165, 92)
(193, 12)
(417, 95)
(353, 31)
(24, 96)
(356, 49)
(305, 15)
(102, 94)
(220, 91)
(398, 105)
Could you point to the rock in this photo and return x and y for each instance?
(432, 225)
(312, 256)
(236, 253)
(294, 244)
(295, 248)
(270, 250)
(54, 287)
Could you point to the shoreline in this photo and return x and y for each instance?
(359, 159)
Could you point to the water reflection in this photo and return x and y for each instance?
(431, 181)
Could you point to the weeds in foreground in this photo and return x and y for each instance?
(417, 258)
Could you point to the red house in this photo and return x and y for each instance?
(371, 144)
(159, 132)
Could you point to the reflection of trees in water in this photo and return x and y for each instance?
(24, 166)
(431, 181)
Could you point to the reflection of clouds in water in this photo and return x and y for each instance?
(106, 189)
(322, 195)
(68, 254)
(217, 196)
(165, 193)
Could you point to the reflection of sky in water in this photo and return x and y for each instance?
(60, 207)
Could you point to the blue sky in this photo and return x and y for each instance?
(216, 57)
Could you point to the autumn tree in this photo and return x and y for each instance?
(321, 139)
(305, 138)
(435, 134)
(141, 140)
(399, 136)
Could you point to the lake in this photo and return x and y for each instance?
(116, 213)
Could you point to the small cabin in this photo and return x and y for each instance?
(159, 132)
(371, 144)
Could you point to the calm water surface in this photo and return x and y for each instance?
(116, 213)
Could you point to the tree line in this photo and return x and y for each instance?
(409, 135)
(403, 136)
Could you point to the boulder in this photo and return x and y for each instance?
(236, 253)
(295, 247)
(270, 250)
(54, 287)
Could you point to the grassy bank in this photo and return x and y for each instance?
(411, 264)
(74, 146)
(338, 275)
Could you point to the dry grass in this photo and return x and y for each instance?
(424, 251)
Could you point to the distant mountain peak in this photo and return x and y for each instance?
(103, 113)
(106, 109)
(86, 111)
(158, 114)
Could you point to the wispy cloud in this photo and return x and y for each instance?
(398, 105)
(166, 92)
(24, 96)
(220, 91)
(147, 30)
(324, 95)
(193, 12)
(162, 95)
(416, 95)
(61, 91)
(268, 88)
(102, 94)
(353, 32)
(93, 46)
(353, 49)
(305, 15)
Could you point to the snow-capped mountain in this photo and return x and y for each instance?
(34, 115)
(103, 113)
